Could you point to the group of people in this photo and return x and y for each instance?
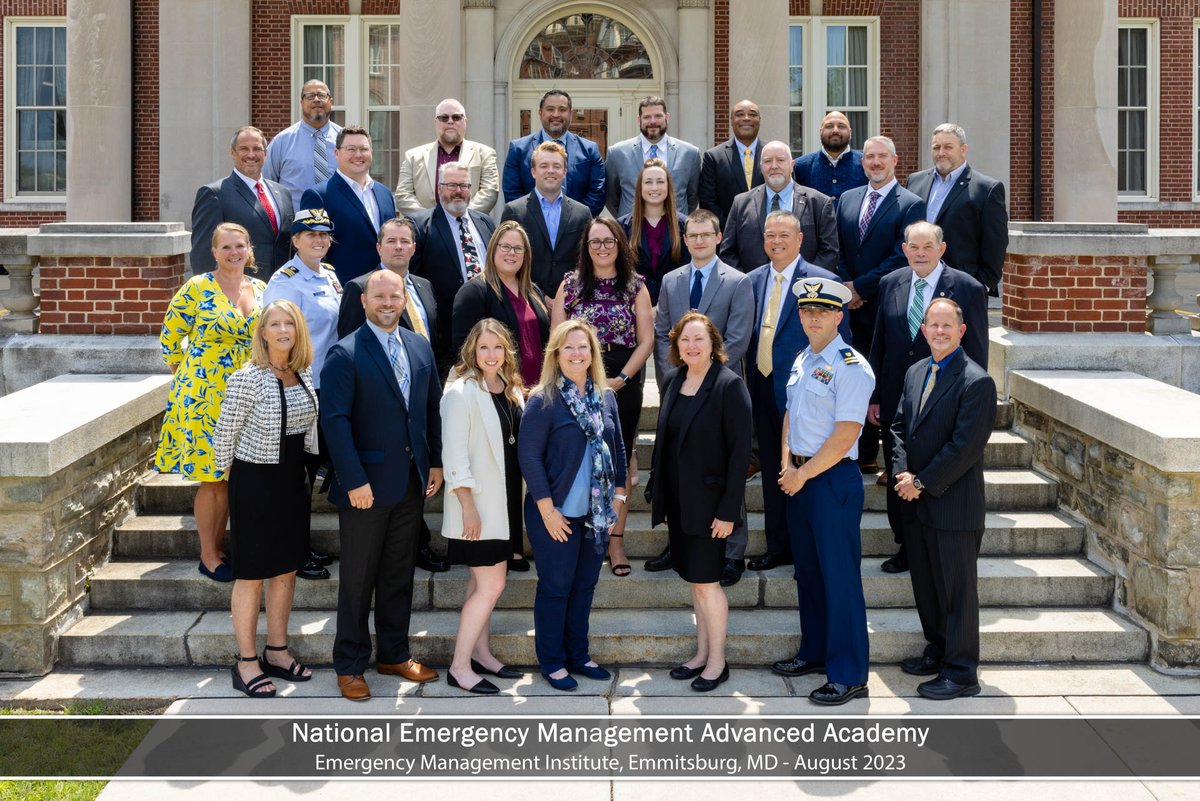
(389, 354)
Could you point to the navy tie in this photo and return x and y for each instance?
(697, 289)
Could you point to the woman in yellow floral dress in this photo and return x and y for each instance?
(215, 313)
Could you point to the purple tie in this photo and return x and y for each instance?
(866, 218)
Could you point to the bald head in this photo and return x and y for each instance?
(835, 132)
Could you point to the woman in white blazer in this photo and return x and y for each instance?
(481, 420)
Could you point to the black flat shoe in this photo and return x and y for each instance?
(796, 667)
(768, 561)
(943, 689)
(898, 563)
(313, 572)
(683, 672)
(322, 559)
(921, 666)
(659, 563)
(503, 672)
(834, 694)
(518, 565)
(428, 560)
(732, 573)
(703, 685)
(481, 687)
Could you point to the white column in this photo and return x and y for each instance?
(203, 95)
(1085, 112)
(758, 58)
(479, 39)
(691, 115)
(965, 78)
(431, 47)
(99, 111)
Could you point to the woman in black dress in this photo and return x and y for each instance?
(698, 479)
(268, 420)
(481, 419)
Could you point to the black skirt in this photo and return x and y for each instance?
(697, 556)
(269, 514)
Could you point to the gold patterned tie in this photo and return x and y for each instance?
(766, 334)
(929, 385)
(748, 167)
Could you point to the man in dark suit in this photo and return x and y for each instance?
(941, 428)
(898, 343)
(625, 160)
(355, 202)
(732, 167)
(554, 223)
(871, 222)
(742, 246)
(380, 411)
(836, 167)
(262, 207)
(584, 178)
(777, 338)
(968, 205)
(452, 242)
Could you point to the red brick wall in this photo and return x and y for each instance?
(1022, 136)
(721, 102)
(145, 111)
(107, 295)
(26, 8)
(1074, 293)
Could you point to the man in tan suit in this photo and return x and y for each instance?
(416, 187)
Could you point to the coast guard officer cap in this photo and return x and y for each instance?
(311, 220)
(820, 293)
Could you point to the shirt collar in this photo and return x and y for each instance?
(933, 278)
(883, 190)
(832, 349)
(953, 176)
(705, 269)
(549, 200)
(752, 147)
(250, 182)
(946, 361)
(785, 195)
(366, 187)
(646, 143)
(312, 129)
(382, 335)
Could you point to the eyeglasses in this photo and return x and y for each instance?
(504, 247)
(463, 187)
(450, 117)
(597, 244)
(700, 237)
(315, 96)
(354, 151)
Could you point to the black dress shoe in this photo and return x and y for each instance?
(921, 666)
(322, 559)
(944, 689)
(898, 563)
(313, 571)
(796, 667)
(661, 562)
(683, 672)
(518, 565)
(732, 573)
(481, 687)
(834, 694)
(768, 561)
(703, 685)
(503, 672)
(428, 560)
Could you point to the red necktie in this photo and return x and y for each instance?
(266, 204)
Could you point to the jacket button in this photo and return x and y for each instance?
(407, 449)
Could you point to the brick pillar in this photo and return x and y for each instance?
(1045, 293)
(109, 278)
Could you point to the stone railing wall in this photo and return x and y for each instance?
(71, 452)
(1125, 450)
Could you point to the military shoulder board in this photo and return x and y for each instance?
(289, 271)
(849, 356)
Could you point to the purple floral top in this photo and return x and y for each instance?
(613, 317)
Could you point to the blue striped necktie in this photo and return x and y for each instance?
(397, 365)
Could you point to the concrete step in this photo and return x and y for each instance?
(1009, 532)
(1004, 581)
(618, 637)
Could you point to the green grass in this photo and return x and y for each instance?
(50, 791)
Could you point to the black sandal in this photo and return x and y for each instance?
(256, 687)
(620, 570)
(293, 672)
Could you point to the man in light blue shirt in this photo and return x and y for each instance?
(294, 155)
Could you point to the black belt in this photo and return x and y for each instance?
(798, 461)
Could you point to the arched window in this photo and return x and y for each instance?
(584, 46)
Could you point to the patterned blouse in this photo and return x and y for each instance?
(612, 316)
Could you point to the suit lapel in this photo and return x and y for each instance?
(539, 220)
(734, 156)
(799, 202)
(338, 184)
(251, 198)
(711, 288)
(944, 380)
(952, 196)
(370, 343)
(486, 409)
(882, 210)
(431, 169)
(900, 300)
(699, 400)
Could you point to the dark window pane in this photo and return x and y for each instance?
(44, 45)
(60, 171)
(60, 86)
(796, 86)
(27, 172)
(45, 86)
(27, 127)
(835, 87)
(60, 130)
(25, 45)
(796, 131)
(856, 89)
(26, 86)
(858, 124)
(45, 171)
(856, 45)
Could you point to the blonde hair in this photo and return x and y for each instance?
(524, 274)
(301, 355)
(548, 382)
(228, 227)
(468, 367)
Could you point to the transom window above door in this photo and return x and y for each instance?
(586, 46)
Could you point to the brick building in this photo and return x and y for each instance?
(1086, 109)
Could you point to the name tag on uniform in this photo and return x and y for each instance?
(823, 374)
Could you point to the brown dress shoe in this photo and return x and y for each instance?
(354, 688)
(411, 670)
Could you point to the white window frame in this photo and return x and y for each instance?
(815, 67)
(11, 194)
(1196, 110)
(1153, 108)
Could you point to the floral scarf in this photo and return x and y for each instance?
(588, 411)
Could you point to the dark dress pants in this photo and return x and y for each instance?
(862, 330)
(943, 566)
(769, 424)
(379, 548)
(901, 514)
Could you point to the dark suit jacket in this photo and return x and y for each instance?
(551, 261)
(742, 246)
(711, 458)
(790, 338)
(351, 314)
(353, 251)
(436, 258)
(476, 300)
(585, 169)
(552, 445)
(722, 177)
(879, 251)
(893, 351)
(975, 221)
(230, 200)
(651, 269)
(372, 435)
(943, 445)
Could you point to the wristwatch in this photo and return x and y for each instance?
(917, 485)
(624, 378)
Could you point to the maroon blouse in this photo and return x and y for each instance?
(530, 336)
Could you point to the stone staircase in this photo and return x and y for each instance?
(1042, 601)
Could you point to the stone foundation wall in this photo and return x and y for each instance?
(1144, 526)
